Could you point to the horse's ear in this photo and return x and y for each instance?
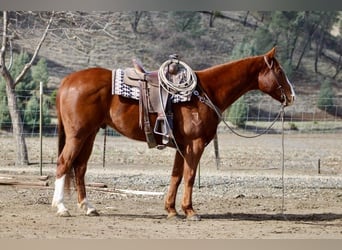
(271, 53)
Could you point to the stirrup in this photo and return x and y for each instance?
(161, 128)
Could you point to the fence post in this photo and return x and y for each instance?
(217, 152)
(41, 128)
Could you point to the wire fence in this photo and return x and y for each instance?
(318, 127)
(303, 117)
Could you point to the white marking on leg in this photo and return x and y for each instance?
(58, 197)
(87, 207)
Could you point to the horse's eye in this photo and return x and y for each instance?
(279, 72)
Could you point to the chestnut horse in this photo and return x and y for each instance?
(85, 104)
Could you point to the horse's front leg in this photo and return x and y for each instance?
(176, 178)
(192, 157)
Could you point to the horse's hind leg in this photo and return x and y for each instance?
(65, 160)
(80, 168)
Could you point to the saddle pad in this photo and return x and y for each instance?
(119, 87)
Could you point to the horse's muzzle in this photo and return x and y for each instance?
(290, 100)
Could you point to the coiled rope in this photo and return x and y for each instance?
(184, 82)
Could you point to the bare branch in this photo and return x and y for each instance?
(4, 42)
(28, 65)
(3, 69)
(107, 33)
(11, 55)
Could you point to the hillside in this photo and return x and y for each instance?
(107, 39)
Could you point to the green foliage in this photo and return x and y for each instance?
(282, 31)
(31, 114)
(25, 87)
(52, 99)
(288, 68)
(26, 92)
(244, 49)
(5, 120)
(187, 21)
(326, 94)
(293, 126)
(238, 112)
(40, 72)
(263, 40)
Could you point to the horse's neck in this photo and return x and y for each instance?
(225, 83)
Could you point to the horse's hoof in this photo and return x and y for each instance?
(93, 213)
(173, 216)
(194, 217)
(63, 213)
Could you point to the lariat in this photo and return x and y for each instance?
(176, 77)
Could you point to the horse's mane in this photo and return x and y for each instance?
(229, 64)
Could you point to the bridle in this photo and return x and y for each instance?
(280, 87)
(206, 100)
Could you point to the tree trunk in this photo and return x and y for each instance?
(211, 18)
(245, 19)
(310, 35)
(338, 67)
(17, 125)
(135, 23)
(308, 41)
(319, 49)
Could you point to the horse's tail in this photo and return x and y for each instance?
(61, 135)
(61, 143)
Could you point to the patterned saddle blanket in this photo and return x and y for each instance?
(128, 83)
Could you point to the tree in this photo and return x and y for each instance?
(12, 82)
(327, 20)
(135, 22)
(212, 17)
(244, 49)
(187, 21)
(23, 90)
(326, 97)
(238, 112)
(310, 26)
(31, 114)
(40, 72)
(339, 39)
(5, 119)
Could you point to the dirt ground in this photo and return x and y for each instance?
(241, 199)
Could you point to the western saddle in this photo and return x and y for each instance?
(153, 99)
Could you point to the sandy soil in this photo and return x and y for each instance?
(243, 198)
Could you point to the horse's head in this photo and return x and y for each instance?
(273, 81)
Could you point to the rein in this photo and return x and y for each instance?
(206, 100)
